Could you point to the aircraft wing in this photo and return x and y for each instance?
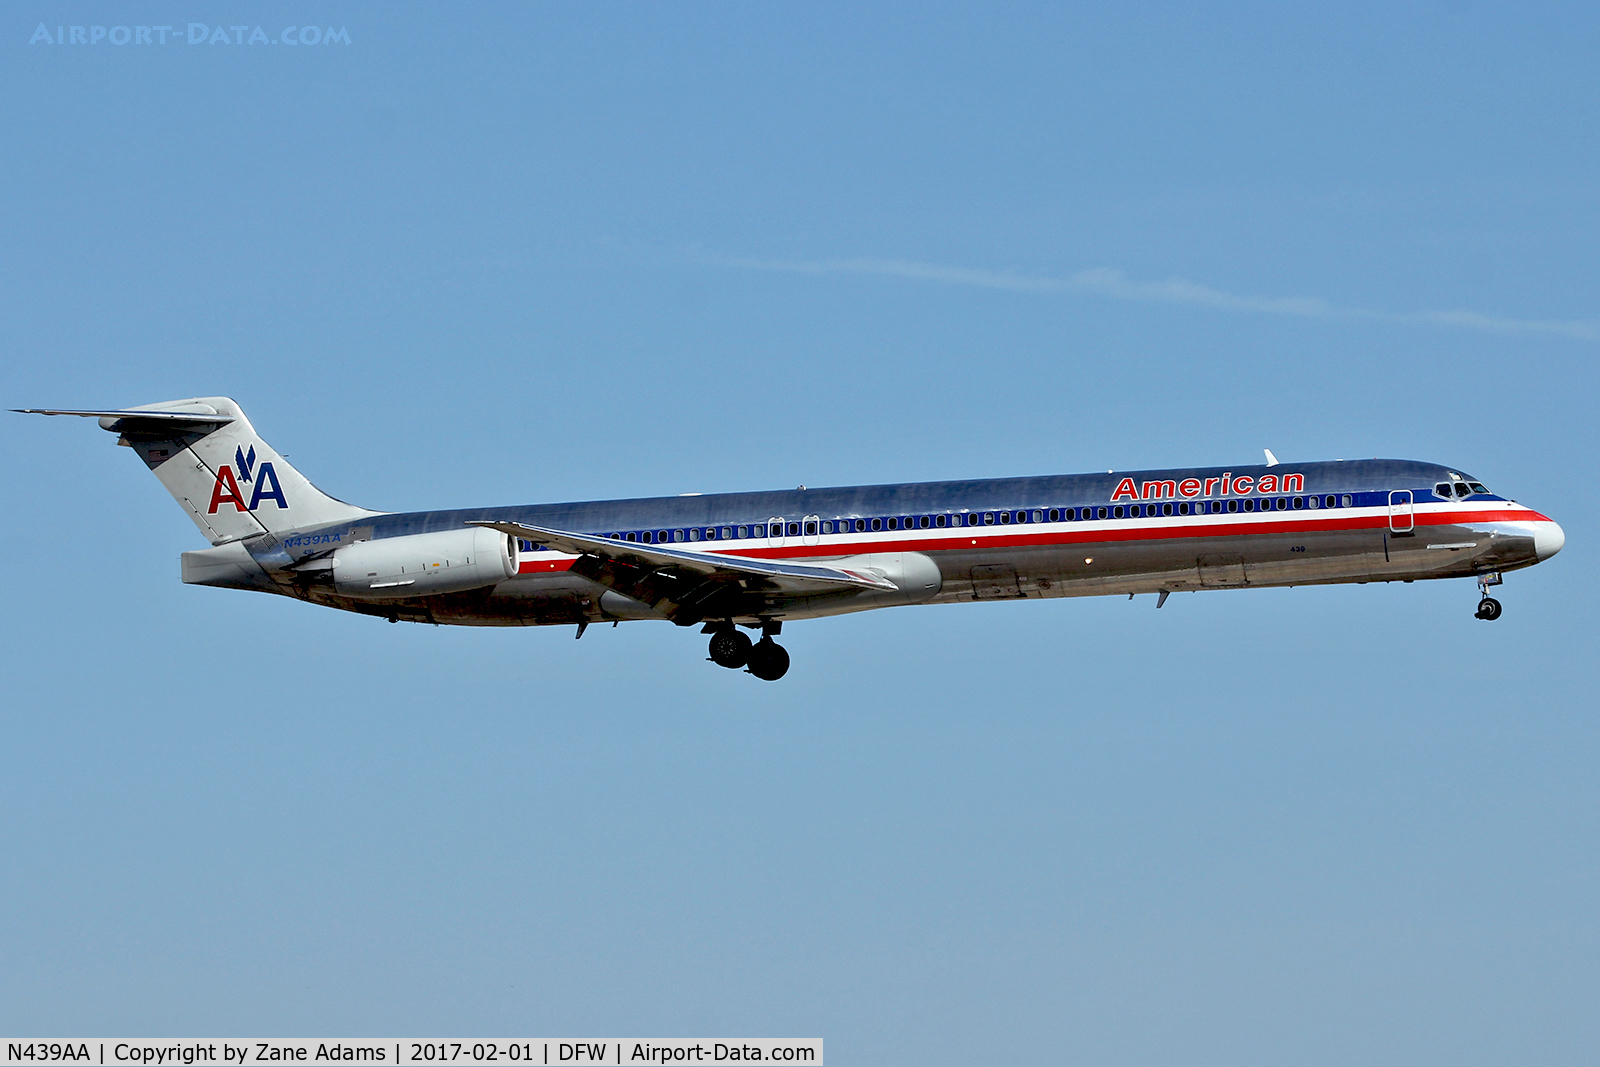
(690, 586)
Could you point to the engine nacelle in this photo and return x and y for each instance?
(450, 561)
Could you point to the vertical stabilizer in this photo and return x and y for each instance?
(232, 483)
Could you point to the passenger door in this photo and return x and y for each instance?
(1402, 521)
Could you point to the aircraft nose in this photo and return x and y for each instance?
(1548, 538)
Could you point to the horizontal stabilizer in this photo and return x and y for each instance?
(111, 419)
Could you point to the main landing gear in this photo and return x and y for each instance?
(1488, 607)
(730, 648)
(766, 659)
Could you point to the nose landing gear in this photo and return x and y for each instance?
(1488, 607)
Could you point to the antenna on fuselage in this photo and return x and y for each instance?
(1272, 461)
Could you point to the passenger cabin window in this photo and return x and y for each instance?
(811, 529)
(1346, 500)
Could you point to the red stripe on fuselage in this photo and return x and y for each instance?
(544, 566)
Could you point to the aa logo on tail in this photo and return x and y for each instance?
(226, 490)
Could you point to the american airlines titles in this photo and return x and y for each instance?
(1226, 485)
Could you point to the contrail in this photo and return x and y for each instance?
(1107, 281)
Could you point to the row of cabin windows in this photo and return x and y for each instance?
(812, 527)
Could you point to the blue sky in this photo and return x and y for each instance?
(540, 253)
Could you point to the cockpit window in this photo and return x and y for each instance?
(1442, 489)
(1477, 487)
(1462, 490)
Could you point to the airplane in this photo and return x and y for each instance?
(731, 562)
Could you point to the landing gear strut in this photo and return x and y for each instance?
(1488, 607)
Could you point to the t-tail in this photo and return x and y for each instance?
(232, 483)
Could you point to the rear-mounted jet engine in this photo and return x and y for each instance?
(451, 561)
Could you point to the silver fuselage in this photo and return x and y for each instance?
(1057, 536)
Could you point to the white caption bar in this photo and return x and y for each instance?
(404, 1052)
